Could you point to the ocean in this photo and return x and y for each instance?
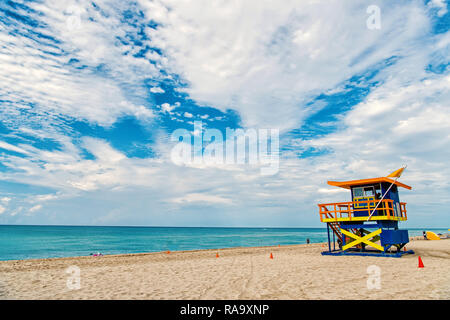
(36, 242)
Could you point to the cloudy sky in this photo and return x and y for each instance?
(91, 91)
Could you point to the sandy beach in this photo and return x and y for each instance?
(295, 272)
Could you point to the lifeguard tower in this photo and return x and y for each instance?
(369, 220)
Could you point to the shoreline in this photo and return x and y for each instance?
(414, 238)
(174, 252)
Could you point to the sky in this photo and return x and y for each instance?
(91, 93)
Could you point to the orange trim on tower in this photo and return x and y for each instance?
(351, 183)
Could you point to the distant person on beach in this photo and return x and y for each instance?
(425, 235)
(307, 241)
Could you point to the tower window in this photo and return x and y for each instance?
(363, 192)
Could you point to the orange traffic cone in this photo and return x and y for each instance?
(420, 263)
(271, 255)
(217, 255)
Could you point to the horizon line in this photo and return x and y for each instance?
(218, 227)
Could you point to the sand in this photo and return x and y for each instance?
(295, 272)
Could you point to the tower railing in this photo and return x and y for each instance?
(361, 210)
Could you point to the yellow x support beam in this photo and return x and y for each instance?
(364, 239)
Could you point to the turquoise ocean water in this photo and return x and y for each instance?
(34, 242)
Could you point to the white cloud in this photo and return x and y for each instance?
(167, 107)
(10, 147)
(325, 190)
(252, 64)
(35, 208)
(16, 211)
(45, 197)
(73, 89)
(202, 198)
(5, 200)
(2, 209)
(157, 90)
(257, 56)
(440, 4)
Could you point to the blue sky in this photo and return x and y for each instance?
(91, 92)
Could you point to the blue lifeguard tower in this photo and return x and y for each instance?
(370, 220)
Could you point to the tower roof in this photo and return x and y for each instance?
(351, 183)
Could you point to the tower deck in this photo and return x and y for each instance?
(361, 210)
